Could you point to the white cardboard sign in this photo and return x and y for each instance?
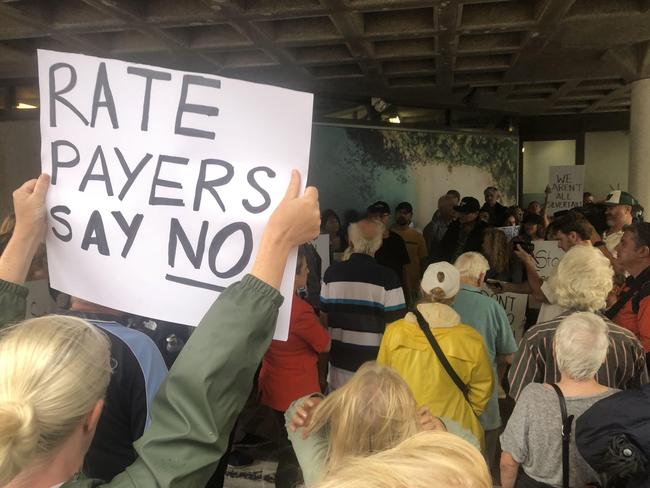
(511, 231)
(547, 254)
(567, 186)
(322, 246)
(515, 306)
(162, 181)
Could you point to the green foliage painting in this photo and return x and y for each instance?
(354, 167)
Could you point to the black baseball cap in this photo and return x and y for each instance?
(468, 205)
(531, 218)
(404, 206)
(379, 208)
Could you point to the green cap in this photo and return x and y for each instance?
(619, 197)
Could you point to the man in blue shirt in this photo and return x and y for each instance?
(490, 320)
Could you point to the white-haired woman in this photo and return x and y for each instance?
(533, 437)
(54, 371)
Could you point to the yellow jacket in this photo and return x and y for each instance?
(406, 349)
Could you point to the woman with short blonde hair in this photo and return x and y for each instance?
(375, 410)
(55, 371)
(422, 461)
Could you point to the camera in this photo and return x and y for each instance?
(527, 246)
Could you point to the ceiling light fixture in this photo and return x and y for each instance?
(394, 120)
(25, 106)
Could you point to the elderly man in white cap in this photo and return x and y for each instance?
(620, 207)
(444, 362)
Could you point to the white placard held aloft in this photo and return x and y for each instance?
(515, 306)
(567, 185)
(511, 231)
(162, 181)
(322, 246)
(547, 254)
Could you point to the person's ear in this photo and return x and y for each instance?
(90, 423)
(644, 252)
(481, 279)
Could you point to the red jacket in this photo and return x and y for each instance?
(290, 369)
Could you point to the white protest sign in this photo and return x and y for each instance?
(39, 302)
(322, 246)
(515, 306)
(162, 181)
(511, 231)
(547, 254)
(567, 186)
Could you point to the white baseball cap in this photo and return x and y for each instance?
(441, 275)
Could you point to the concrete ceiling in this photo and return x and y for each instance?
(507, 56)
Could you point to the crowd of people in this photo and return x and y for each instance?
(393, 367)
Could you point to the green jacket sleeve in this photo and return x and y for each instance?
(13, 299)
(197, 405)
(310, 452)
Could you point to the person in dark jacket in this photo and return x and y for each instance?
(496, 211)
(464, 234)
(613, 436)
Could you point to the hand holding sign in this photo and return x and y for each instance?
(29, 205)
(296, 220)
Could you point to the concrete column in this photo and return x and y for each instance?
(639, 169)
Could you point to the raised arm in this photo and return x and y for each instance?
(196, 407)
(29, 232)
(29, 205)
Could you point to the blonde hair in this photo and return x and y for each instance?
(427, 459)
(581, 342)
(582, 279)
(53, 370)
(375, 410)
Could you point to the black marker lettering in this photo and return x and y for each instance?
(57, 163)
(98, 155)
(153, 199)
(183, 107)
(102, 86)
(149, 75)
(55, 96)
(130, 175)
(176, 233)
(95, 234)
(130, 230)
(252, 182)
(218, 241)
(54, 211)
(209, 185)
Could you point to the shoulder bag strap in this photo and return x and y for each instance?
(441, 355)
(567, 420)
